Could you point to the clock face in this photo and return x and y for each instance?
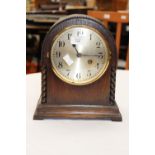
(79, 55)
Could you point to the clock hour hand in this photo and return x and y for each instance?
(78, 54)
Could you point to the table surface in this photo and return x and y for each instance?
(77, 137)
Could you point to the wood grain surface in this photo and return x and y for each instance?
(61, 100)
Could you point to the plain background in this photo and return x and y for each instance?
(13, 78)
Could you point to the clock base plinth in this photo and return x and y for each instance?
(49, 111)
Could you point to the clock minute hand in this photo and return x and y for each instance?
(91, 54)
(80, 54)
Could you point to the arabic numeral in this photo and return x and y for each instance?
(80, 33)
(90, 37)
(61, 43)
(58, 54)
(89, 73)
(78, 76)
(98, 65)
(69, 36)
(68, 72)
(98, 44)
(60, 65)
(100, 56)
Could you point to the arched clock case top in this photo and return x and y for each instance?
(60, 99)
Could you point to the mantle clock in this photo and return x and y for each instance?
(78, 70)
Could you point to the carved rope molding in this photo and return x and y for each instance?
(112, 85)
(44, 85)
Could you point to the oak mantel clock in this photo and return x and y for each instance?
(78, 71)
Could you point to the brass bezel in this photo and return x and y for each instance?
(89, 81)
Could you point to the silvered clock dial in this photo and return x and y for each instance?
(79, 55)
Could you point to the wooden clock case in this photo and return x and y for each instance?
(61, 100)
